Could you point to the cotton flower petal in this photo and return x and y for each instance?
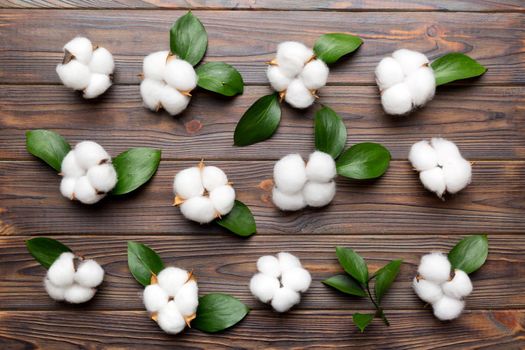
(284, 299)
(314, 74)
(388, 73)
(89, 274)
(102, 62)
(289, 173)
(288, 202)
(423, 156)
(320, 167)
(81, 48)
(448, 308)
(434, 267)
(298, 95)
(74, 74)
(397, 100)
(155, 298)
(427, 291)
(459, 287)
(263, 287)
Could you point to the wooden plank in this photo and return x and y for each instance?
(32, 39)
(396, 203)
(486, 122)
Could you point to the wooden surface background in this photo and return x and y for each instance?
(393, 217)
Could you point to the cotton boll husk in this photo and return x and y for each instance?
(284, 298)
(434, 180)
(288, 202)
(173, 101)
(397, 99)
(448, 308)
(319, 194)
(320, 167)
(62, 272)
(81, 48)
(170, 320)
(297, 279)
(289, 173)
(102, 62)
(76, 294)
(74, 74)
(264, 287)
(187, 299)
(102, 177)
(388, 73)
(223, 199)
(288, 261)
(315, 74)
(98, 84)
(89, 154)
(213, 177)
(89, 274)
(56, 293)
(70, 166)
(446, 150)
(409, 60)
(427, 291)
(155, 298)
(151, 92)
(188, 183)
(278, 80)
(422, 85)
(153, 65)
(269, 265)
(298, 96)
(171, 279)
(199, 209)
(292, 56)
(434, 267)
(458, 174)
(180, 74)
(85, 192)
(459, 287)
(422, 156)
(67, 187)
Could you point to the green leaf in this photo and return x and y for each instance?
(345, 284)
(331, 47)
(134, 168)
(384, 278)
(188, 39)
(216, 312)
(363, 161)
(239, 221)
(456, 66)
(330, 132)
(48, 146)
(259, 122)
(143, 262)
(362, 320)
(352, 263)
(221, 78)
(470, 253)
(45, 250)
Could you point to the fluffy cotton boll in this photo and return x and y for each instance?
(223, 199)
(74, 74)
(423, 156)
(320, 167)
(155, 298)
(269, 265)
(434, 267)
(188, 183)
(409, 60)
(85, 192)
(448, 308)
(445, 149)
(56, 293)
(62, 272)
(288, 202)
(102, 62)
(199, 209)
(264, 287)
(315, 74)
(77, 294)
(318, 194)
(102, 177)
(388, 73)
(81, 48)
(292, 56)
(180, 74)
(422, 85)
(187, 299)
(98, 84)
(213, 177)
(278, 80)
(397, 99)
(173, 101)
(288, 261)
(298, 96)
(459, 287)
(289, 173)
(284, 298)
(171, 279)
(153, 65)
(297, 279)
(151, 92)
(89, 154)
(89, 274)
(434, 180)
(458, 174)
(70, 166)
(170, 319)
(67, 187)
(427, 291)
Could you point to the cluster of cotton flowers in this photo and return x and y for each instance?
(441, 166)
(168, 82)
(88, 174)
(298, 184)
(172, 299)
(405, 80)
(86, 68)
(280, 280)
(296, 74)
(203, 193)
(63, 282)
(434, 285)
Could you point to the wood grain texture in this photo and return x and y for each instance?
(32, 40)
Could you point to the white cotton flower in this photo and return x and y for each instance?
(388, 73)
(77, 294)
(284, 299)
(173, 101)
(171, 279)
(89, 274)
(410, 60)
(155, 298)
(180, 74)
(213, 177)
(102, 62)
(288, 202)
(170, 320)
(320, 167)
(427, 291)
(102, 177)
(298, 95)
(457, 174)
(187, 298)
(397, 100)
(448, 308)
(278, 80)
(422, 85)
(434, 267)
(459, 287)
(85, 192)
(98, 84)
(199, 209)
(67, 187)
(289, 173)
(297, 279)
(315, 74)
(89, 154)
(423, 156)
(56, 293)
(288, 261)
(434, 180)
(269, 265)
(62, 272)
(264, 287)
(223, 199)
(445, 149)
(151, 92)
(292, 56)
(81, 48)
(188, 183)
(74, 75)
(154, 64)
(318, 194)
(70, 166)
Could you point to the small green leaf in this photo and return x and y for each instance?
(134, 168)
(345, 284)
(45, 250)
(331, 47)
(48, 146)
(216, 312)
(363, 161)
(239, 221)
(456, 66)
(259, 122)
(362, 320)
(143, 262)
(470, 253)
(384, 278)
(188, 39)
(330, 132)
(352, 263)
(221, 78)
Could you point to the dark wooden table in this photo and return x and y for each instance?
(393, 217)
